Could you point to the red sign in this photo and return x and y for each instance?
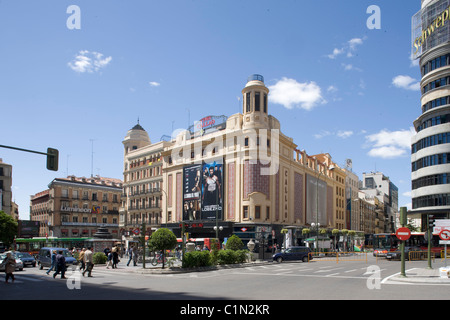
(403, 233)
(136, 231)
(444, 235)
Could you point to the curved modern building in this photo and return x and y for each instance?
(430, 150)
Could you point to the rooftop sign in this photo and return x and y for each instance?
(430, 27)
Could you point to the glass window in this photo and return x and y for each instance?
(257, 101)
(265, 103)
(247, 103)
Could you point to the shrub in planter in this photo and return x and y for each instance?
(99, 258)
(197, 259)
(231, 256)
(234, 243)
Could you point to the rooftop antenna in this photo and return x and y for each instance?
(92, 157)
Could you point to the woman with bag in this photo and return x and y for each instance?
(10, 266)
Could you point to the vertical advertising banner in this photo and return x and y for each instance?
(192, 189)
(212, 190)
(203, 191)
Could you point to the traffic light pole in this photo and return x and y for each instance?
(403, 222)
(430, 237)
(52, 156)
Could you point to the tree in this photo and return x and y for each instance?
(8, 229)
(163, 239)
(234, 243)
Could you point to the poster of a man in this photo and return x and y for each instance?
(212, 193)
(192, 193)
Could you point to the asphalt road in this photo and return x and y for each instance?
(271, 282)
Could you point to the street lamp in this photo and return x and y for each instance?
(314, 225)
(217, 230)
(317, 203)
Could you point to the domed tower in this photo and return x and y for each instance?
(136, 138)
(255, 107)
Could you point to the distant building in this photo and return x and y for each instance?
(5, 188)
(76, 207)
(376, 184)
(142, 186)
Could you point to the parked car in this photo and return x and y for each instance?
(27, 259)
(292, 254)
(45, 257)
(397, 255)
(19, 263)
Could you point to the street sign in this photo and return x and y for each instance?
(444, 235)
(403, 234)
(441, 224)
(136, 231)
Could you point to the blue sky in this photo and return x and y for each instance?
(336, 85)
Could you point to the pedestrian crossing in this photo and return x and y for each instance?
(101, 274)
(288, 270)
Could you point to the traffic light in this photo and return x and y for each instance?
(431, 222)
(52, 159)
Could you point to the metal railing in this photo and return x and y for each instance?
(340, 256)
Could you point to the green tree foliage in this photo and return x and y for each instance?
(8, 229)
(161, 240)
(234, 243)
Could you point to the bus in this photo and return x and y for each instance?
(386, 242)
(33, 245)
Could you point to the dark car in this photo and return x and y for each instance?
(292, 254)
(27, 259)
(397, 255)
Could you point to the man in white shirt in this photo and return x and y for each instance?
(88, 260)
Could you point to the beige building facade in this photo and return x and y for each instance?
(260, 182)
(6, 203)
(75, 207)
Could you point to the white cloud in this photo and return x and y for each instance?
(344, 134)
(348, 49)
(89, 62)
(390, 144)
(332, 89)
(335, 53)
(290, 94)
(348, 67)
(340, 134)
(154, 84)
(406, 82)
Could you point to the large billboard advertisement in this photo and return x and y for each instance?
(430, 27)
(203, 191)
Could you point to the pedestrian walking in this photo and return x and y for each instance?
(115, 257)
(135, 256)
(10, 267)
(130, 254)
(53, 266)
(109, 261)
(89, 261)
(81, 259)
(60, 265)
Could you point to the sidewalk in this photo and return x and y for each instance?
(421, 275)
